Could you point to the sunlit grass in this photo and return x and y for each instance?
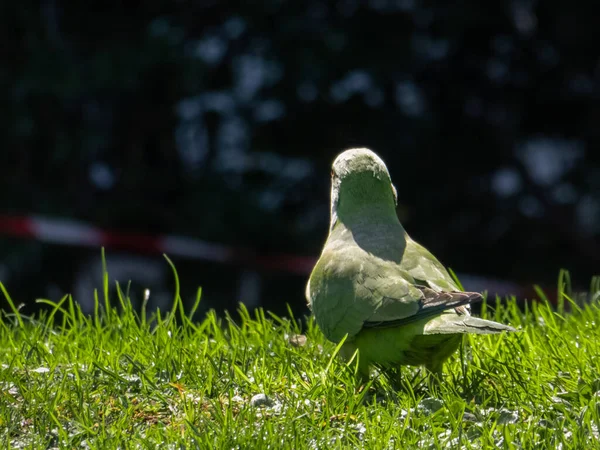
(120, 379)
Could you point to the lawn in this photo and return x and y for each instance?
(126, 379)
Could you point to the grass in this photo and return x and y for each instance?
(119, 380)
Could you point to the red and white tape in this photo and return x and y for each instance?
(71, 232)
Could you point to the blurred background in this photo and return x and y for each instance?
(206, 130)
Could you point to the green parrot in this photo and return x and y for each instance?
(389, 296)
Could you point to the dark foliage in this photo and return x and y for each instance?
(220, 119)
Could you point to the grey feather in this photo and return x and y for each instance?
(453, 324)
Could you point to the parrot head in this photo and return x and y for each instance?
(360, 181)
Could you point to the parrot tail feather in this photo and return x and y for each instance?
(455, 324)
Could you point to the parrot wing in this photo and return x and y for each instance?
(432, 303)
(344, 292)
(347, 295)
(425, 268)
(449, 313)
